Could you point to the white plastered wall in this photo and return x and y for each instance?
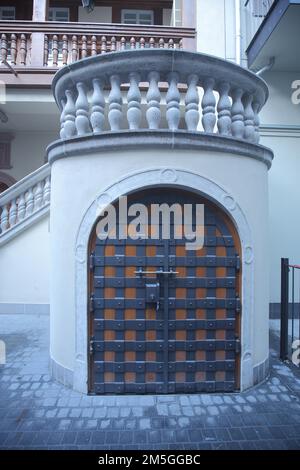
(280, 120)
(98, 15)
(28, 151)
(216, 28)
(247, 184)
(24, 266)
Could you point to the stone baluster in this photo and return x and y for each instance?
(69, 126)
(224, 109)
(132, 43)
(98, 106)
(152, 43)
(46, 50)
(47, 191)
(62, 119)
(181, 44)
(115, 104)
(208, 106)
(113, 44)
(161, 43)
(4, 218)
(21, 207)
(192, 103)
(134, 113)
(171, 44)
(237, 114)
(249, 133)
(94, 45)
(173, 100)
(3, 48)
(82, 110)
(13, 49)
(83, 47)
(38, 196)
(256, 109)
(103, 45)
(65, 51)
(74, 48)
(142, 43)
(123, 44)
(55, 49)
(153, 113)
(23, 49)
(29, 199)
(13, 213)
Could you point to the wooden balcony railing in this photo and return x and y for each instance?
(48, 46)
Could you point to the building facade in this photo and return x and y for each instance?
(161, 108)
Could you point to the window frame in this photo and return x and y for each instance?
(55, 10)
(137, 12)
(7, 7)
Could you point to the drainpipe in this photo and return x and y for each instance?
(238, 36)
(267, 67)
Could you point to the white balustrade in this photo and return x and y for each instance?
(232, 97)
(26, 199)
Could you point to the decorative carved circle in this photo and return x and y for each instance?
(102, 201)
(248, 254)
(168, 175)
(229, 202)
(80, 253)
(247, 355)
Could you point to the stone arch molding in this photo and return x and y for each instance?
(156, 177)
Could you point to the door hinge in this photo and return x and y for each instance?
(92, 261)
(92, 345)
(238, 305)
(238, 347)
(92, 303)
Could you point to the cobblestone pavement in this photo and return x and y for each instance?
(36, 412)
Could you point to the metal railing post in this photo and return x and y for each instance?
(284, 309)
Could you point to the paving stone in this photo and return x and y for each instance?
(69, 437)
(162, 410)
(154, 437)
(37, 413)
(63, 412)
(76, 412)
(98, 437)
(195, 435)
(126, 437)
(188, 411)
(236, 434)
(98, 412)
(83, 437)
(114, 413)
(175, 410)
(145, 423)
(64, 424)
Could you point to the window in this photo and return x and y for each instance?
(7, 13)
(137, 17)
(5, 144)
(59, 14)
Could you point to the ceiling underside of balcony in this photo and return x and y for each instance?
(278, 37)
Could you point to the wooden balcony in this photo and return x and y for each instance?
(31, 52)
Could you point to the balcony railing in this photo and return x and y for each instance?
(24, 203)
(54, 44)
(256, 11)
(208, 101)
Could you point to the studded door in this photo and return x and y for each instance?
(163, 319)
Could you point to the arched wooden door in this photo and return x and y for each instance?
(163, 319)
